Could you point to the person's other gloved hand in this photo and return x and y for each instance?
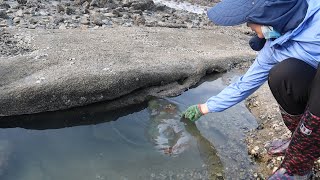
(193, 113)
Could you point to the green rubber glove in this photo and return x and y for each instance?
(193, 113)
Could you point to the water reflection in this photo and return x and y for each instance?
(172, 135)
(207, 152)
(87, 115)
(107, 145)
(165, 129)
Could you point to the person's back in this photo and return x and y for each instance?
(304, 41)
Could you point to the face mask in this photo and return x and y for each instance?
(269, 33)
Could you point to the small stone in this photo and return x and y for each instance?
(274, 169)
(32, 26)
(125, 16)
(41, 79)
(138, 19)
(44, 22)
(36, 14)
(29, 11)
(253, 152)
(62, 26)
(109, 15)
(44, 13)
(219, 175)
(19, 13)
(256, 148)
(3, 23)
(22, 1)
(33, 21)
(260, 127)
(82, 26)
(15, 6)
(142, 5)
(270, 133)
(60, 8)
(70, 11)
(275, 125)
(58, 20)
(279, 158)
(94, 3)
(107, 22)
(4, 5)
(3, 14)
(127, 24)
(97, 20)
(84, 21)
(16, 20)
(86, 5)
(277, 129)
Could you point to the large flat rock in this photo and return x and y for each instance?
(70, 68)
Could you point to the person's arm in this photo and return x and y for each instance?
(256, 75)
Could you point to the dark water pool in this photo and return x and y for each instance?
(146, 141)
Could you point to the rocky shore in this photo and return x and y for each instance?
(46, 14)
(265, 108)
(34, 15)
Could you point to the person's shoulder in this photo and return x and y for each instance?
(313, 5)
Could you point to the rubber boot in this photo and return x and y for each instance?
(303, 150)
(282, 174)
(291, 121)
(278, 147)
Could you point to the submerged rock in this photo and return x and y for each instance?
(166, 130)
(173, 135)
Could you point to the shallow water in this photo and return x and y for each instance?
(186, 6)
(147, 141)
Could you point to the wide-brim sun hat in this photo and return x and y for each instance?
(233, 12)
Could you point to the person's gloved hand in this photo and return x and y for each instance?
(193, 113)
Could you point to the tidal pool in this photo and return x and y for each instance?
(146, 141)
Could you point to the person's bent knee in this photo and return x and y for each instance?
(282, 71)
(289, 82)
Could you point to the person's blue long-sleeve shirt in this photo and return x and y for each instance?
(301, 43)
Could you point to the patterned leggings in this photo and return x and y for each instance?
(296, 87)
